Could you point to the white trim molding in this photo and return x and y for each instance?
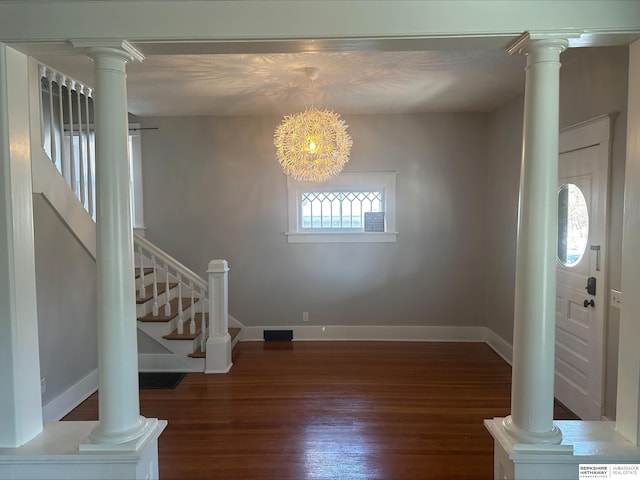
(71, 398)
(586, 134)
(350, 181)
(499, 345)
(389, 333)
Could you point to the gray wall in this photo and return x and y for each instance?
(66, 287)
(213, 189)
(593, 82)
(503, 184)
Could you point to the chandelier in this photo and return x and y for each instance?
(312, 145)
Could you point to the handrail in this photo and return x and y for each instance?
(170, 261)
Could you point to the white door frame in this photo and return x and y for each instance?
(596, 133)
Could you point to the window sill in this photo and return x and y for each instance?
(335, 237)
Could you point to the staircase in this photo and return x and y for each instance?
(173, 304)
(172, 309)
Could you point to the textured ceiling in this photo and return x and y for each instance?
(349, 82)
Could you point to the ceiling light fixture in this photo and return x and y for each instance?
(312, 145)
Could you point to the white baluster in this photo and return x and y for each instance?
(81, 156)
(155, 285)
(203, 323)
(43, 74)
(52, 127)
(192, 310)
(142, 289)
(180, 315)
(90, 154)
(64, 160)
(72, 157)
(167, 306)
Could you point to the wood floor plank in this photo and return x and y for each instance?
(334, 410)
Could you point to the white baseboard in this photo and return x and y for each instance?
(402, 333)
(499, 345)
(71, 398)
(395, 333)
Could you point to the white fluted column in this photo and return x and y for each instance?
(119, 411)
(531, 419)
(219, 342)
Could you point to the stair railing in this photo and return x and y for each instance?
(206, 297)
(66, 129)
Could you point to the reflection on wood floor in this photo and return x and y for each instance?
(334, 410)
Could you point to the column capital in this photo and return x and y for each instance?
(530, 41)
(115, 47)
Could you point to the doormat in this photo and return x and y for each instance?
(159, 380)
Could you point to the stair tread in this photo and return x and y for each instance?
(148, 292)
(147, 271)
(186, 335)
(200, 354)
(161, 317)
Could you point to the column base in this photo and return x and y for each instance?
(54, 454)
(526, 439)
(514, 460)
(218, 354)
(128, 441)
(584, 443)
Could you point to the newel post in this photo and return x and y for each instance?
(219, 342)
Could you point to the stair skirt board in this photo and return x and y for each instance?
(149, 362)
(148, 345)
(234, 323)
(157, 354)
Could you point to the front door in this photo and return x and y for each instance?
(581, 279)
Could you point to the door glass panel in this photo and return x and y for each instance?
(573, 225)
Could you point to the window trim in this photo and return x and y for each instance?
(385, 181)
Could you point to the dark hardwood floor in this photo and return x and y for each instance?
(334, 410)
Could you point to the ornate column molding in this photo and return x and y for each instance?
(114, 46)
(567, 37)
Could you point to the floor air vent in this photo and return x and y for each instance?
(278, 335)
